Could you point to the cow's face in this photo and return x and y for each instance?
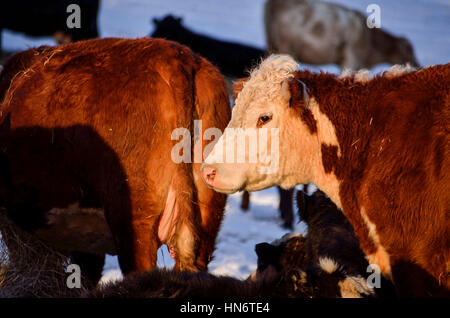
(169, 27)
(288, 260)
(278, 256)
(265, 126)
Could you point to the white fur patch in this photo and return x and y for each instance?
(355, 287)
(328, 265)
(325, 128)
(380, 257)
(398, 70)
(362, 75)
(326, 134)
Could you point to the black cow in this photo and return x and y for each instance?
(233, 59)
(329, 254)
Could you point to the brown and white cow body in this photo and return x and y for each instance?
(379, 148)
(319, 32)
(86, 128)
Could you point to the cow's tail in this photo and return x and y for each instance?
(212, 106)
(182, 243)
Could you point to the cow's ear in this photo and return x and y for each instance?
(155, 21)
(295, 91)
(237, 86)
(179, 19)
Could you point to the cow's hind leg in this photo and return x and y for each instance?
(287, 214)
(91, 266)
(134, 237)
(245, 203)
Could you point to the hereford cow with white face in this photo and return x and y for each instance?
(265, 101)
(379, 148)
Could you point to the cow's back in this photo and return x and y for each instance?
(131, 65)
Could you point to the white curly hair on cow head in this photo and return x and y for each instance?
(267, 128)
(265, 80)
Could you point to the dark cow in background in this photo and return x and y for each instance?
(329, 253)
(49, 18)
(378, 147)
(86, 140)
(234, 60)
(319, 32)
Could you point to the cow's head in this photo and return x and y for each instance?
(268, 109)
(280, 255)
(287, 263)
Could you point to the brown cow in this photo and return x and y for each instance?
(379, 148)
(86, 128)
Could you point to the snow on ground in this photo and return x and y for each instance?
(425, 22)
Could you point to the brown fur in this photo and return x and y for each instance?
(380, 153)
(91, 122)
(394, 139)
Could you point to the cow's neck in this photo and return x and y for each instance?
(324, 138)
(341, 138)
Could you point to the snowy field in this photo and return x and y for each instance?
(426, 23)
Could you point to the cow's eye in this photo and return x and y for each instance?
(264, 119)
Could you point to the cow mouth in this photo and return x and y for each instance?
(228, 190)
(224, 190)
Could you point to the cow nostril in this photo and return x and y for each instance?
(209, 174)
